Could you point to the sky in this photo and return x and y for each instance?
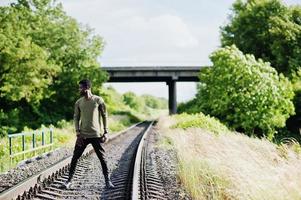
(154, 33)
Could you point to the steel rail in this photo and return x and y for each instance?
(137, 166)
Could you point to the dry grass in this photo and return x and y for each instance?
(233, 166)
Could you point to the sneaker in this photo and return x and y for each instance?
(109, 185)
(67, 185)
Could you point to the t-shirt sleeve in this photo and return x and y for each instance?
(76, 116)
(103, 113)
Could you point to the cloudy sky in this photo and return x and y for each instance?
(154, 33)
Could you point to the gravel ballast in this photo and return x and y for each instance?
(167, 163)
(32, 166)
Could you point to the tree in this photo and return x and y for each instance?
(43, 55)
(133, 101)
(154, 102)
(272, 31)
(26, 71)
(246, 93)
(267, 29)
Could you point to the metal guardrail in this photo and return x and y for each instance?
(34, 146)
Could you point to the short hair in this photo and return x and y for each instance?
(86, 83)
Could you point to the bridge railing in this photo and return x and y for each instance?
(34, 140)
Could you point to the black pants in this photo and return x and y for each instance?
(80, 145)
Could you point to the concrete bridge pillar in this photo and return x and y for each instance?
(172, 97)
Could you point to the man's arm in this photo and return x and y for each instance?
(104, 116)
(76, 118)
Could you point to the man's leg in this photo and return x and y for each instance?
(100, 152)
(79, 148)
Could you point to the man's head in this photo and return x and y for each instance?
(84, 86)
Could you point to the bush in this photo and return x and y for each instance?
(132, 118)
(246, 93)
(293, 124)
(63, 124)
(199, 121)
(9, 122)
(133, 101)
(188, 107)
(155, 102)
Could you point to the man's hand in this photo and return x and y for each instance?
(77, 133)
(80, 141)
(104, 137)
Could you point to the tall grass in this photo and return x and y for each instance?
(233, 165)
(62, 137)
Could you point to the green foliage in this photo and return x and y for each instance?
(43, 55)
(267, 29)
(190, 106)
(3, 148)
(129, 104)
(133, 101)
(114, 100)
(131, 117)
(7, 120)
(270, 30)
(246, 93)
(63, 124)
(199, 120)
(117, 126)
(121, 121)
(155, 102)
(294, 122)
(26, 70)
(144, 104)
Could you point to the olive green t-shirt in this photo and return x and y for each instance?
(87, 116)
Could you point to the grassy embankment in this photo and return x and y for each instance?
(216, 163)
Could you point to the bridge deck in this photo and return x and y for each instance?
(153, 74)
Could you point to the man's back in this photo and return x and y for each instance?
(87, 112)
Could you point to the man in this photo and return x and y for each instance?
(87, 113)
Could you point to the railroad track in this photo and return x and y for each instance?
(133, 172)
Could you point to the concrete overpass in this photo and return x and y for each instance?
(170, 75)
